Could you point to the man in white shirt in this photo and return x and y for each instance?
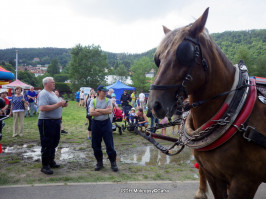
(142, 100)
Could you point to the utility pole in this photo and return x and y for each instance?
(16, 64)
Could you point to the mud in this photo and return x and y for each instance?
(143, 155)
(20, 164)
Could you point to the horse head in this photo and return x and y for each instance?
(180, 58)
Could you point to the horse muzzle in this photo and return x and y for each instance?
(162, 107)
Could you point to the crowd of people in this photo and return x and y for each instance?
(134, 109)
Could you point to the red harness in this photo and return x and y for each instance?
(241, 118)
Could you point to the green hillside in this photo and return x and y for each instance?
(233, 44)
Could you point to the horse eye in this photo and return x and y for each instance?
(157, 61)
(185, 53)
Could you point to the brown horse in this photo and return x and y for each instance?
(236, 168)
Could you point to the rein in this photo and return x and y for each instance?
(149, 135)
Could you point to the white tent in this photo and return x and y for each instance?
(15, 84)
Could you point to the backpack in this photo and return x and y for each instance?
(88, 105)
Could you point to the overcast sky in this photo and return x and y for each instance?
(130, 26)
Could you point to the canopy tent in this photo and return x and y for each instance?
(119, 88)
(15, 84)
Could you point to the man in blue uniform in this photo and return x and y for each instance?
(100, 109)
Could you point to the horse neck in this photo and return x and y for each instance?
(220, 79)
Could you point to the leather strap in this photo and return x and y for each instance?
(252, 135)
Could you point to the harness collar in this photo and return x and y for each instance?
(234, 112)
(240, 120)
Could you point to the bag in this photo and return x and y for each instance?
(149, 113)
(26, 105)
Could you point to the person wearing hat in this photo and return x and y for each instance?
(101, 129)
(132, 116)
(18, 110)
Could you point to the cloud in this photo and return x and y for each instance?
(126, 11)
(117, 25)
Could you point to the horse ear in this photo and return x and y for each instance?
(198, 26)
(166, 30)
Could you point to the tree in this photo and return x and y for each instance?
(244, 54)
(139, 69)
(9, 67)
(62, 87)
(40, 78)
(261, 67)
(61, 77)
(120, 72)
(28, 77)
(53, 68)
(87, 66)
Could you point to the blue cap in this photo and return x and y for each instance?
(102, 88)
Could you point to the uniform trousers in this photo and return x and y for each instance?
(50, 136)
(102, 130)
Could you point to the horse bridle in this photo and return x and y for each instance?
(195, 52)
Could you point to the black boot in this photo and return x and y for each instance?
(99, 164)
(46, 170)
(113, 163)
(53, 164)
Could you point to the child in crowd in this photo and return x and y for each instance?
(132, 116)
(113, 100)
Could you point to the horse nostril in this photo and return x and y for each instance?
(157, 105)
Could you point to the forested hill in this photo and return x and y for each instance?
(231, 42)
(26, 55)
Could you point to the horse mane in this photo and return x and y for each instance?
(216, 49)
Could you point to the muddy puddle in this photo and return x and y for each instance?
(143, 155)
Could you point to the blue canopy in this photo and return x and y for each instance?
(119, 88)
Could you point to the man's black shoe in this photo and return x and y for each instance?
(63, 131)
(46, 170)
(98, 166)
(114, 166)
(54, 165)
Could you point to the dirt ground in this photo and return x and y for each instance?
(137, 160)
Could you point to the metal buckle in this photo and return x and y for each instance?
(246, 132)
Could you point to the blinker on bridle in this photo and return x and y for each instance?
(186, 55)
